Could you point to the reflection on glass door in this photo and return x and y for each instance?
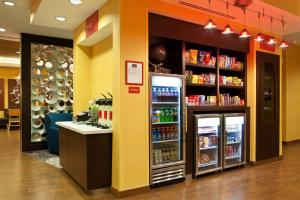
(234, 148)
(208, 143)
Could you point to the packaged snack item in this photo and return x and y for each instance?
(222, 61)
(212, 61)
(187, 57)
(235, 81)
(207, 57)
(201, 79)
(213, 100)
(194, 55)
(206, 79)
(201, 56)
(202, 100)
(229, 80)
(195, 79)
(233, 60)
(212, 79)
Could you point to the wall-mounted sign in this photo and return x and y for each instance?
(264, 44)
(91, 24)
(134, 90)
(14, 93)
(134, 73)
(1, 94)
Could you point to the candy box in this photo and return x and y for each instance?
(194, 56)
(201, 56)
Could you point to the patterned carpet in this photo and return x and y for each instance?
(45, 156)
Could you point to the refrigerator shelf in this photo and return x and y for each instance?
(165, 103)
(164, 141)
(162, 123)
(232, 157)
(208, 164)
(233, 131)
(229, 143)
(207, 133)
(208, 148)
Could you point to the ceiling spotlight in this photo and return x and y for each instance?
(210, 24)
(272, 41)
(76, 2)
(227, 30)
(284, 44)
(9, 3)
(18, 52)
(60, 18)
(259, 37)
(244, 33)
(2, 29)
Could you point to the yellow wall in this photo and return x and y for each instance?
(291, 109)
(8, 73)
(102, 68)
(130, 123)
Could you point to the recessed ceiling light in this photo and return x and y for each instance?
(2, 29)
(9, 3)
(60, 18)
(76, 2)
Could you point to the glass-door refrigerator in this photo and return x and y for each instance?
(234, 140)
(208, 143)
(167, 145)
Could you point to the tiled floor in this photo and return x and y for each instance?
(23, 177)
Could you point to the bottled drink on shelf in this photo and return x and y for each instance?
(167, 115)
(163, 94)
(154, 134)
(167, 97)
(175, 115)
(176, 95)
(154, 94)
(162, 115)
(159, 95)
(158, 134)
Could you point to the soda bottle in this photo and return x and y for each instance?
(162, 115)
(158, 96)
(176, 95)
(173, 95)
(163, 94)
(154, 134)
(171, 115)
(167, 98)
(175, 115)
(154, 94)
(172, 134)
(167, 115)
(163, 133)
(160, 157)
(158, 134)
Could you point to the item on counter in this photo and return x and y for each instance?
(229, 63)
(199, 100)
(226, 99)
(194, 56)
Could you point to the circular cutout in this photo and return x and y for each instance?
(60, 74)
(35, 114)
(51, 86)
(62, 91)
(35, 105)
(61, 105)
(51, 97)
(37, 123)
(52, 108)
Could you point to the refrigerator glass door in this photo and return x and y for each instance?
(208, 143)
(166, 121)
(234, 140)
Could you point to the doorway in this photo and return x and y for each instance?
(268, 113)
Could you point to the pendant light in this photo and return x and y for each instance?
(210, 24)
(283, 44)
(244, 33)
(259, 37)
(272, 40)
(227, 30)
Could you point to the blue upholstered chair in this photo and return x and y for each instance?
(52, 129)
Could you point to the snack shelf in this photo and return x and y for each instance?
(230, 69)
(232, 157)
(207, 164)
(231, 87)
(208, 148)
(164, 141)
(201, 65)
(200, 85)
(229, 143)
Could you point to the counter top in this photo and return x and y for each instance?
(82, 128)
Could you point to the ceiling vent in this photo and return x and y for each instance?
(187, 4)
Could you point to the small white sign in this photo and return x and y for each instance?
(134, 73)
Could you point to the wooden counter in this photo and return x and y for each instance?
(86, 154)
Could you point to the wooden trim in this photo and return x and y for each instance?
(291, 142)
(26, 41)
(127, 193)
(263, 162)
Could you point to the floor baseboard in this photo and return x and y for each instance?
(262, 162)
(291, 142)
(127, 193)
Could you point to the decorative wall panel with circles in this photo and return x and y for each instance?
(51, 85)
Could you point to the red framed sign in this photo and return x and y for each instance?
(134, 90)
(134, 73)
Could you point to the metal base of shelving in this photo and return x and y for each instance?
(196, 175)
(167, 175)
(235, 165)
